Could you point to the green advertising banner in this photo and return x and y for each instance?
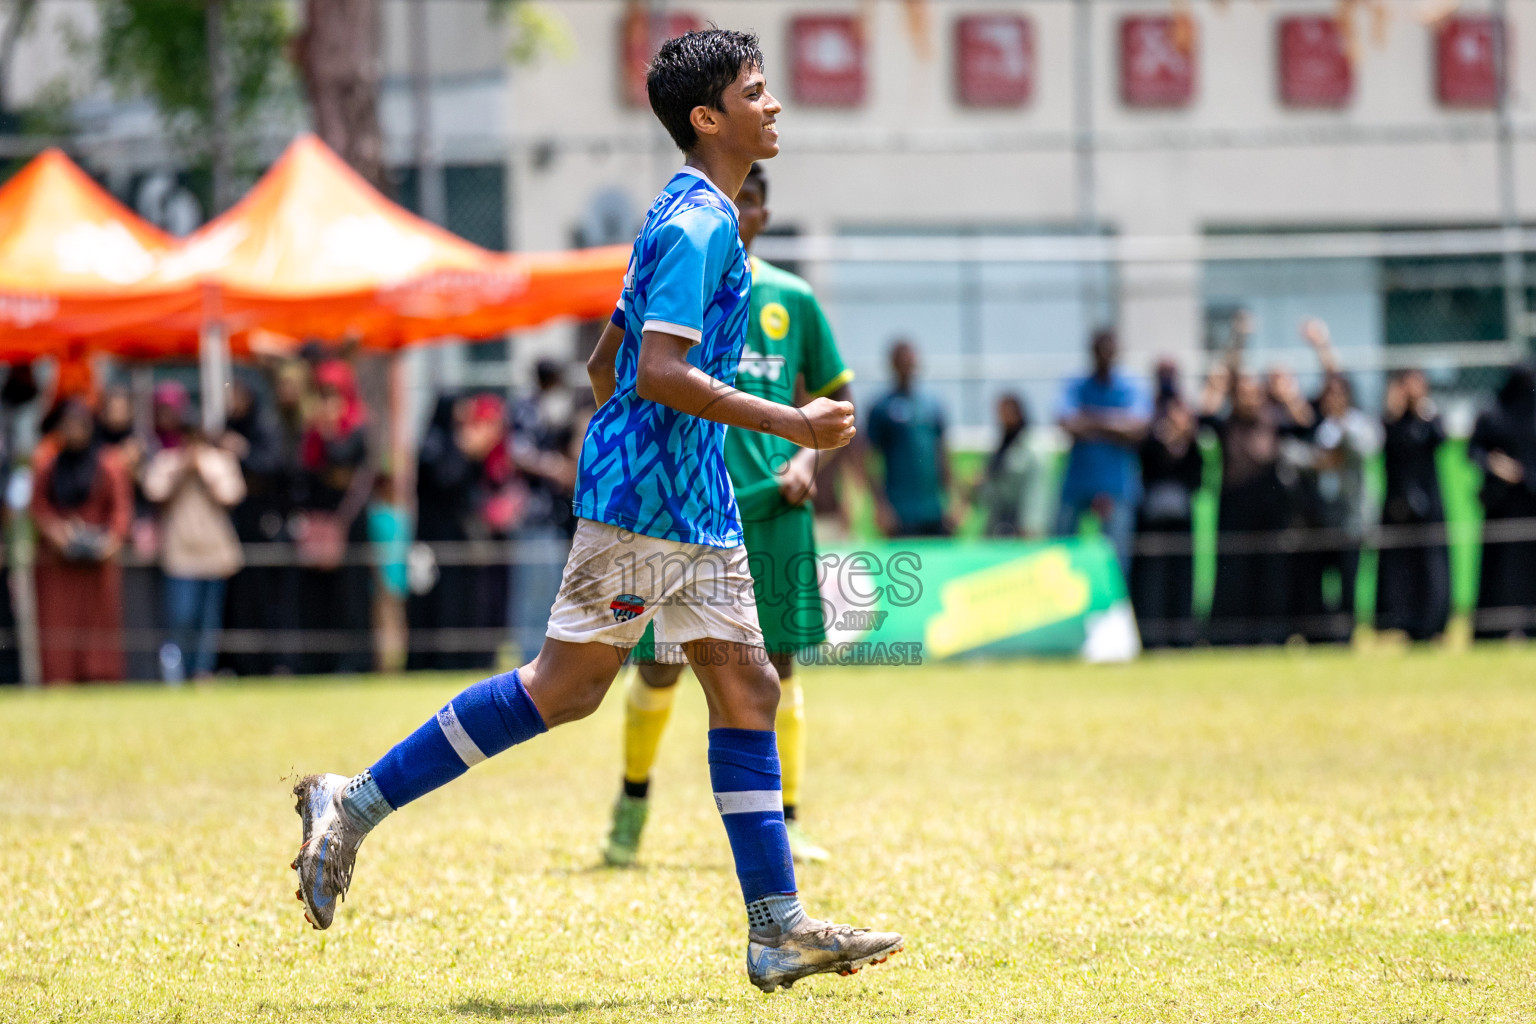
(899, 602)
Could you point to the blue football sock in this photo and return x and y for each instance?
(479, 723)
(744, 771)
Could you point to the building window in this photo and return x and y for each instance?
(982, 326)
(475, 196)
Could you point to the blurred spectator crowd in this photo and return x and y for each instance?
(277, 545)
(1295, 509)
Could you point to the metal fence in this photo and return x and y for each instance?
(1001, 312)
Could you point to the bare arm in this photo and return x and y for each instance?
(220, 472)
(797, 480)
(1114, 427)
(1237, 341)
(600, 364)
(555, 467)
(666, 377)
(1316, 334)
(843, 393)
(1128, 429)
(1217, 386)
(1290, 396)
(165, 474)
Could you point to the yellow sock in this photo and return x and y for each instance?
(645, 718)
(790, 725)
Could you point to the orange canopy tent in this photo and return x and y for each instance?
(314, 251)
(75, 264)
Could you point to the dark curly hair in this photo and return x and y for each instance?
(694, 70)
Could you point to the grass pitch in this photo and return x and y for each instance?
(1326, 837)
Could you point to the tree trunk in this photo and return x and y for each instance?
(15, 27)
(338, 57)
(218, 106)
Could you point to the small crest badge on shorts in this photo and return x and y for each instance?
(626, 607)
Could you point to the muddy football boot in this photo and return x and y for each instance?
(330, 847)
(815, 947)
(629, 814)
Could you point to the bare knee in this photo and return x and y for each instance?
(565, 689)
(585, 699)
(659, 676)
(765, 695)
(743, 693)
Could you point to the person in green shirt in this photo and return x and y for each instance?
(790, 358)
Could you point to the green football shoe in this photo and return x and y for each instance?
(802, 848)
(629, 814)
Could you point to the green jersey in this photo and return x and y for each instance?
(788, 340)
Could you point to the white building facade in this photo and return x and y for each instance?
(962, 131)
(1261, 137)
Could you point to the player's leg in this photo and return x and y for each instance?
(786, 576)
(715, 620)
(789, 724)
(647, 709)
(566, 682)
(784, 944)
(589, 634)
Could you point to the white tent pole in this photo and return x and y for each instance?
(23, 556)
(213, 364)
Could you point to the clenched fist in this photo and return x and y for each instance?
(826, 424)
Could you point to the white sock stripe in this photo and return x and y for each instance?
(458, 739)
(750, 801)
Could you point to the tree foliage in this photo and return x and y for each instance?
(160, 47)
(536, 30)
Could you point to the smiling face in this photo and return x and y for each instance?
(746, 123)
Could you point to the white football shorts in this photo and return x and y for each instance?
(617, 581)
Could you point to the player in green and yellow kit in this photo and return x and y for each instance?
(789, 358)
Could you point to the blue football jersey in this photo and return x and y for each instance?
(644, 466)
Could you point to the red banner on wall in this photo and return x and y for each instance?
(827, 60)
(994, 60)
(1466, 64)
(1314, 66)
(1157, 60)
(640, 36)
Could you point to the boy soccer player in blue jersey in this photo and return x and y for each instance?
(658, 538)
(789, 350)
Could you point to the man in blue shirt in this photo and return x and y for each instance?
(907, 428)
(657, 538)
(1106, 415)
